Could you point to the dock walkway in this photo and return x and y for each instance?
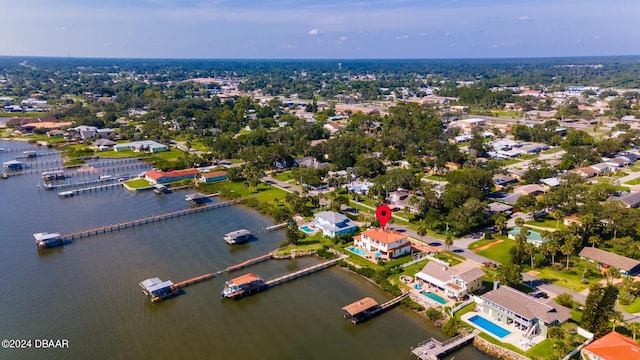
(432, 349)
(250, 262)
(146, 220)
(300, 273)
(88, 189)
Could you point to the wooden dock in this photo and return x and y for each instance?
(88, 189)
(377, 310)
(300, 273)
(78, 184)
(250, 262)
(275, 227)
(196, 279)
(432, 349)
(146, 220)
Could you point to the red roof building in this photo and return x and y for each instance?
(612, 346)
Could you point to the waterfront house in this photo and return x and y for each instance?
(141, 146)
(532, 316)
(455, 281)
(360, 310)
(333, 224)
(385, 244)
(533, 237)
(606, 259)
(613, 346)
(156, 289)
(161, 177)
(212, 176)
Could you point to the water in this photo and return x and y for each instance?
(87, 292)
(489, 326)
(307, 229)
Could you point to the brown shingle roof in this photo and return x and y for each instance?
(524, 305)
(360, 306)
(609, 258)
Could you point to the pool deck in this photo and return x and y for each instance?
(516, 338)
(417, 296)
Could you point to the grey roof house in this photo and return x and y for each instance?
(627, 266)
(333, 224)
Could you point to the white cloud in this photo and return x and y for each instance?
(524, 18)
(597, 37)
(403, 37)
(343, 38)
(313, 32)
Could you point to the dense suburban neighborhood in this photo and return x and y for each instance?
(515, 207)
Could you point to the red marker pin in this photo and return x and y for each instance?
(383, 213)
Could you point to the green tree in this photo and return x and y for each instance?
(293, 234)
(422, 230)
(634, 327)
(510, 274)
(500, 221)
(599, 308)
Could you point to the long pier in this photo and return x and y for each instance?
(88, 189)
(146, 220)
(250, 262)
(275, 227)
(77, 184)
(432, 349)
(300, 273)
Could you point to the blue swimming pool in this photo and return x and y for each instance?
(489, 326)
(357, 251)
(433, 296)
(307, 229)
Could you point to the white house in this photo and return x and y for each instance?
(455, 281)
(385, 244)
(333, 224)
(140, 146)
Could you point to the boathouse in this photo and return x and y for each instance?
(161, 177)
(196, 198)
(156, 289)
(242, 286)
(360, 310)
(12, 165)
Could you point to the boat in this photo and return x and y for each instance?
(242, 286)
(66, 194)
(238, 236)
(46, 240)
(4, 175)
(156, 289)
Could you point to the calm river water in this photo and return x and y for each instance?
(87, 292)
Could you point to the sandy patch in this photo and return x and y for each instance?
(483, 247)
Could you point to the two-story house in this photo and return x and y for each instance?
(333, 224)
(454, 281)
(385, 244)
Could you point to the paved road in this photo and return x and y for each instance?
(281, 184)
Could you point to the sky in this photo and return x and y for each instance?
(319, 29)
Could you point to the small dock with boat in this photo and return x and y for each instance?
(432, 349)
(367, 308)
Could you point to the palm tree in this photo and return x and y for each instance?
(519, 222)
(448, 241)
(422, 230)
(567, 249)
(634, 327)
(594, 240)
(616, 319)
(530, 249)
(558, 215)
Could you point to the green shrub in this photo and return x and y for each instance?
(565, 299)
(434, 314)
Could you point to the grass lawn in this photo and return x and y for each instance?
(570, 279)
(284, 176)
(138, 183)
(634, 169)
(229, 189)
(542, 350)
(507, 113)
(436, 177)
(510, 161)
(633, 308)
(633, 182)
(120, 154)
(479, 243)
(309, 243)
(547, 222)
(499, 252)
(552, 151)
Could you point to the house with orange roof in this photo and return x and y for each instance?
(161, 177)
(612, 346)
(212, 176)
(385, 244)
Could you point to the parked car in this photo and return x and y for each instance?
(541, 294)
